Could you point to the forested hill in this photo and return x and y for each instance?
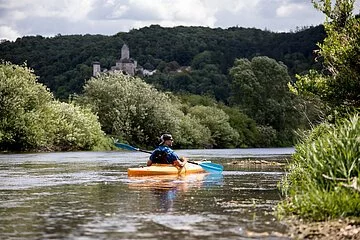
(63, 63)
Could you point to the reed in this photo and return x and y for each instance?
(323, 179)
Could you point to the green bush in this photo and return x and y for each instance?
(217, 121)
(21, 100)
(130, 109)
(323, 179)
(267, 136)
(31, 120)
(69, 127)
(245, 126)
(192, 134)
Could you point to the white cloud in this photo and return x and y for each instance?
(77, 10)
(289, 9)
(68, 9)
(14, 4)
(169, 12)
(159, 9)
(8, 33)
(18, 15)
(241, 6)
(46, 17)
(119, 12)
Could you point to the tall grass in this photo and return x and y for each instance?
(323, 178)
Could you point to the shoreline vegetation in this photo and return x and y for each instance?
(321, 193)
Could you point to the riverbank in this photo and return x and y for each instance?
(339, 229)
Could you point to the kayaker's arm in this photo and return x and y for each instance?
(180, 162)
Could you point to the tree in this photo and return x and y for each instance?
(259, 87)
(246, 89)
(129, 109)
(67, 127)
(217, 121)
(135, 112)
(212, 82)
(21, 99)
(339, 83)
(30, 118)
(182, 82)
(245, 126)
(190, 133)
(202, 59)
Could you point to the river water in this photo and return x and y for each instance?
(88, 195)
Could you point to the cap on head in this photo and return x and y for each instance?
(165, 137)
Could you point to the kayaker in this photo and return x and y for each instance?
(164, 154)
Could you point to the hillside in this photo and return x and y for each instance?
(63, 63)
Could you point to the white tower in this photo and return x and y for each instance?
(125, 52)
(96, 68)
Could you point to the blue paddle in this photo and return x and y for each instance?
(131, 148)
(210, 167)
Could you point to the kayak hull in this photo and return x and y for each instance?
(165, 169)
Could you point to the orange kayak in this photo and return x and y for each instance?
(165, 169)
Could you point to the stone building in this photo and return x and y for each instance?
(125, 64)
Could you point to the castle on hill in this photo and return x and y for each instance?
(124, 65)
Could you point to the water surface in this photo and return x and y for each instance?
(88, 195)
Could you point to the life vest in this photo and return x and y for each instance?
(159, 156)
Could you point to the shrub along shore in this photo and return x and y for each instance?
(322, 187)
(323, 179)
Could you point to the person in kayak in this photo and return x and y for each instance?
(164, 154)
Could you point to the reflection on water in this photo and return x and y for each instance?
(88, 195)
(166, 188)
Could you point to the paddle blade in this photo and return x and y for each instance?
(212, 167)
(126, 147)
(131, 148)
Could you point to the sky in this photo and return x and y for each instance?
(48, 18)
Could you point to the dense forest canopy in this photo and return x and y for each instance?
(64, 63)
(245, 71)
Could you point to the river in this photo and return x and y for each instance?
(88, 195)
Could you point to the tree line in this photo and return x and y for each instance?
(133, 111)
(244, 100)
(65, 62)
